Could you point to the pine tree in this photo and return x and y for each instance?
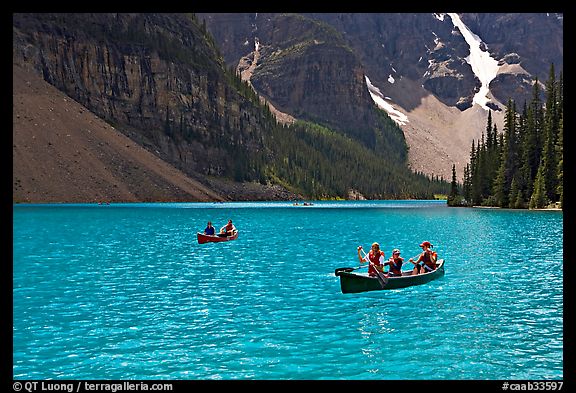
(530, 157)
(560, 169)
(508, 158)
(471, 173)
(489, 132)
(453, 187)
(500, 192)
(495, 136)
(466, 187)
(550, 131)
(537, 120)
(515, 198)
(484, 169)
(493, 159)
(538, 199)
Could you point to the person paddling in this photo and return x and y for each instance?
(228, 229)
(427, 257)
(376, 256)
(395, 264)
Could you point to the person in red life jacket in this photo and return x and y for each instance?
(427, 257)
(376, 256)
(395, 264)
(228, 229)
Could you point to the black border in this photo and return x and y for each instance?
(299, 6)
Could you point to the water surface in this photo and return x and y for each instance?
(123, 291)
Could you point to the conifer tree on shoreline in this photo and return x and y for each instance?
(521, 167)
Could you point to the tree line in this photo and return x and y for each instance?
(321, 163)
(521, 167)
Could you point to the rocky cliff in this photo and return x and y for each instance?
(525, 44)
(158, 78)
(414, 59)
(307, 69)
(64, 153)
(428, 48)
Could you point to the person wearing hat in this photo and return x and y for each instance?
(395, 264)
(427, 257)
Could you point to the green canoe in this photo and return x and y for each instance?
(351, 282)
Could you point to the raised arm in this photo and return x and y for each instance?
(360, 258)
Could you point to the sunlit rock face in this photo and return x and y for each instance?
(427, 48)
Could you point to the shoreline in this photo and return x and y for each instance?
(507, 208)
(109, 202)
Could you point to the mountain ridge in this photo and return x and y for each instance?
(411, 56)
(57, 138)
(160, 80)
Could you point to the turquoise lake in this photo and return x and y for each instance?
(124, 291)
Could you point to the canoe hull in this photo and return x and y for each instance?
(202, 238)
(351, 282)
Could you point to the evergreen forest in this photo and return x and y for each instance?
(522, 166)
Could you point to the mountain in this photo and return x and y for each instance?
(157, 77)
(63, 152)
(161, 81)
(435, 74)
(306, 68)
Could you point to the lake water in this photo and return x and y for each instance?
(124, 291)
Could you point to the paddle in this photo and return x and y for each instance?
(379, 275)
(414, 257)
(347, 269)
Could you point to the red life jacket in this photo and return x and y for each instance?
(396, 266)
(427, 259)
(375, 259)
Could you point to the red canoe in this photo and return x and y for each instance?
(202, 238)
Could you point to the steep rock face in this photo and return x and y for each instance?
(534, 40)
(525, 44)
(305, 68)
(155, 76)
(61, 152)
(312, 82)
(235, 34)
(517, 86)
(425, 47)
(420, 47)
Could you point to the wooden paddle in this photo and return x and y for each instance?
(379, 275)
(347, 269)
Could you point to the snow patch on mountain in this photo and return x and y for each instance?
(399, 117)
(483, 65)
